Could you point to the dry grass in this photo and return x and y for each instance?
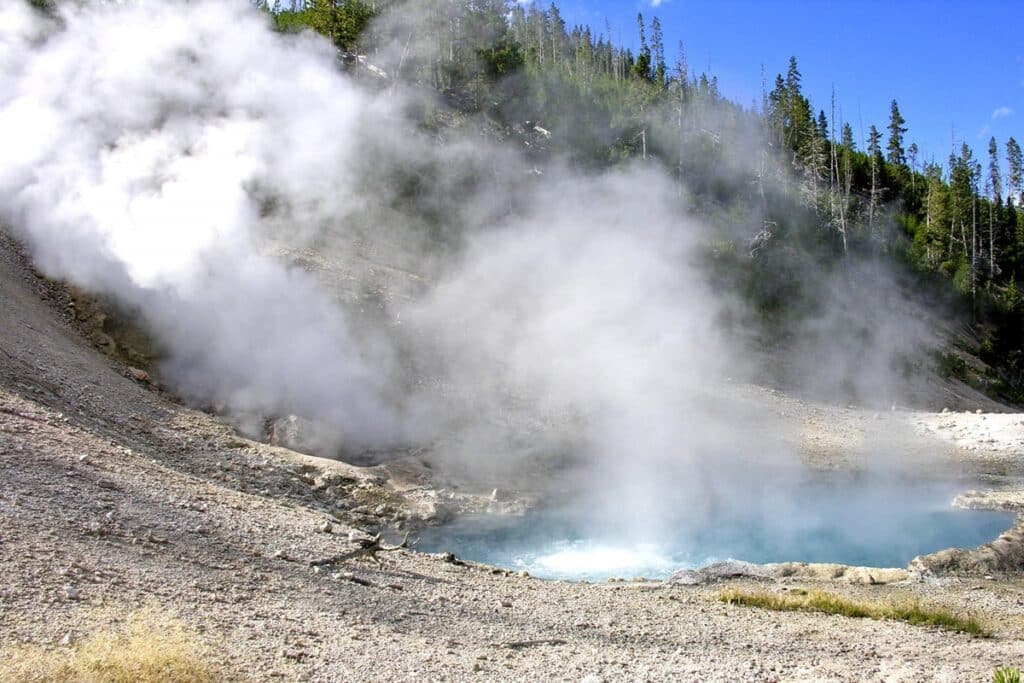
(149, 646)
(911, 612)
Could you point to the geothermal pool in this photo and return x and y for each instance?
(854, 521)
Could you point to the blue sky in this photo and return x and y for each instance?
(952, 66)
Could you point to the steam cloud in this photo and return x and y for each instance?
(136, 138)
(182, 158)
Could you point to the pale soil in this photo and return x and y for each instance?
(114, 489)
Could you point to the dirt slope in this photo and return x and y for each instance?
(114, 490)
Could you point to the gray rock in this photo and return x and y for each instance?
(720, 571)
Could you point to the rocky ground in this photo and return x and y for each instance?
(115, 496)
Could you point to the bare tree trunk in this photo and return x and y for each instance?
(928, 211)
(874, 196)
(991, 244)
(952, 239)
(928, 222)
(833, 175)
(952, 226)
(974, 248)
(679, 131)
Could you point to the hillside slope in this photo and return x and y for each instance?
(115, 490)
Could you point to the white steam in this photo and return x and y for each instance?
(176, 156)
(135, 139)
(167, 153)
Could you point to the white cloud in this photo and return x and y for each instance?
(1000, 112)
(656, 3)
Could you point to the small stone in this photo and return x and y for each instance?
(506, 603)
(71, 593)
(523, 574)
(326, 527)
(945, 410)
(66, 640)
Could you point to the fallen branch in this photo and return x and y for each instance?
(521, 644)
(24, 416)
(368, 547)
(357, 579)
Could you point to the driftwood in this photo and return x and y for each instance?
(368, 547)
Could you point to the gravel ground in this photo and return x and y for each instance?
(115, 497)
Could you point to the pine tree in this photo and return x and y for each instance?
(658, 51)
(965, 173)
(848, 141)
(797, 109)
(682, 72)
(896, 156)
(875, 152)
(537, 21)
(556, 31)
(642, 66)
(1015, 166)
(777, 114)
(341, 21)
(994, 174)
(1011, 298)
(912, 158)
(995, 188)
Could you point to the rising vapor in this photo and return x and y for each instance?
(178, 156)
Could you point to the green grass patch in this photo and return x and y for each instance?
(911, 612)
(1006, 674)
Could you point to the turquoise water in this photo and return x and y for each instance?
(855, 521)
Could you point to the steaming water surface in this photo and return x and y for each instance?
(852, 521)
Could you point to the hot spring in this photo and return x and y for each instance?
(842, 518)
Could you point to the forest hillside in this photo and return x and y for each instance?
(793, 198)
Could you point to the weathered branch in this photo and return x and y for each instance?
(368, 547)
(521, 644)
